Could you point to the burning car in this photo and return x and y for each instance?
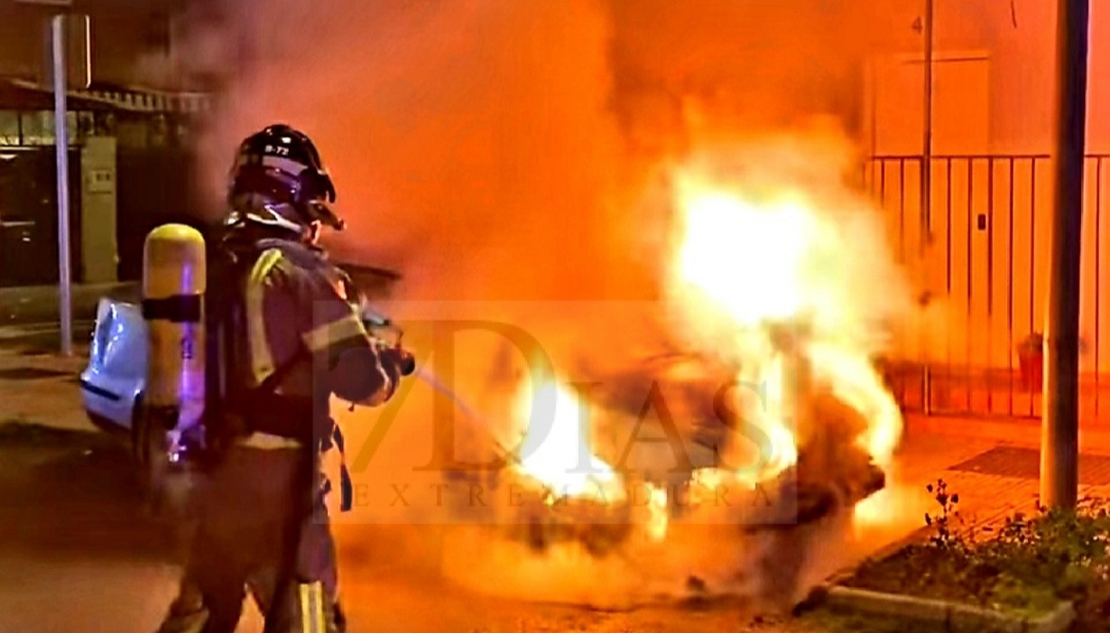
(768, 388)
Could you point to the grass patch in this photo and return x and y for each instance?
(1024, 567)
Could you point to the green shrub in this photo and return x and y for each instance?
(1028, 563)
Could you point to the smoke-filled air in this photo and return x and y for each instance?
(665, 196)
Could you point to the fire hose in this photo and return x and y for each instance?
(375, 320)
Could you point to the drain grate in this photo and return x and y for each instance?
(1025, 463)
(31, 373)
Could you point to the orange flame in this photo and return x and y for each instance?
(747, 265)
(556, 451)
(772, 281)
(556, 455)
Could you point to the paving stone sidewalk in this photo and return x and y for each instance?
(994, 465)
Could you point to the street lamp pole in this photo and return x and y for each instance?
(61, 144)
(60, 77)
(927, 141)
(1060, 415)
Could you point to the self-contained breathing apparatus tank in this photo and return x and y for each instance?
(174, 283)
(176, 267)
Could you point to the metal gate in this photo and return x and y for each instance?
(29, 216)
(982, 263)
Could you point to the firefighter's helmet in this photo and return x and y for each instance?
(278, 180)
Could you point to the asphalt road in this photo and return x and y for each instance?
(78, 553)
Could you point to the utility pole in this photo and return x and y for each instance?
(61, 146)
(1060, 414)
(925, 222)
(61, 18)
(927, 141)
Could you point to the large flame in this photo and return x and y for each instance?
(750, 266)
(556, 453)
(771, 283)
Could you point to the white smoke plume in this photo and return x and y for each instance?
(513, 151)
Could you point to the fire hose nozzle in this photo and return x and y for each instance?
(404, 359)
(407, 362)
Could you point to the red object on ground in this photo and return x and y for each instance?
(1032, 370)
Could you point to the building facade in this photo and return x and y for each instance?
(130, 132)
(978, 242)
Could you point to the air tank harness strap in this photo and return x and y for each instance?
(346, 489)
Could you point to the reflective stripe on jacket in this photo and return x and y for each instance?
(296, 303)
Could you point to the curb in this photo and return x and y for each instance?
(954, 616)
(951, 614)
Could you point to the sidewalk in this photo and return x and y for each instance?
(994, 464)
(34, 304)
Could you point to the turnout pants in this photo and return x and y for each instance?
(263, 527)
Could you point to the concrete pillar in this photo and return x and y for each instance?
(99, 250)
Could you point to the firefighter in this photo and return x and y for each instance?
(286, 337)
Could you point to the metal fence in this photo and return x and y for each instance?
(981, 257)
